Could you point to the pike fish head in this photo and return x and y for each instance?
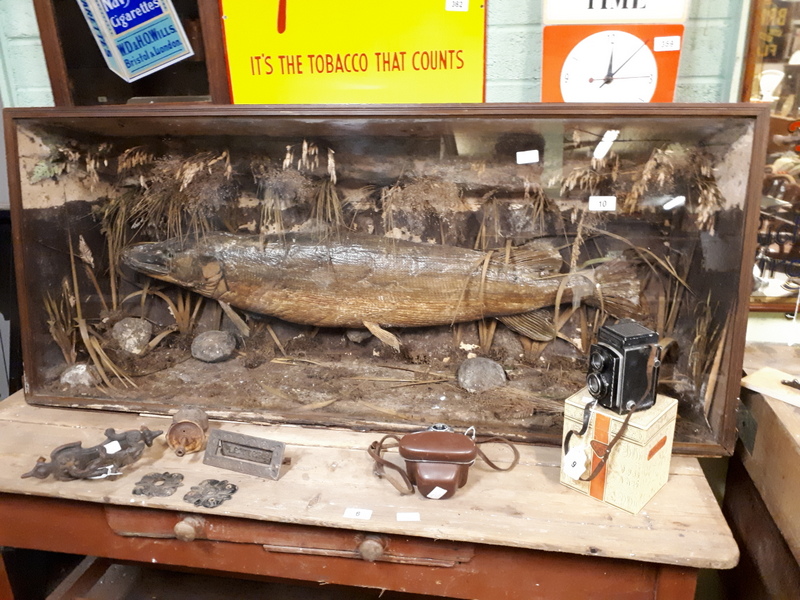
(186, 262)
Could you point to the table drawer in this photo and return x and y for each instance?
(287, 538)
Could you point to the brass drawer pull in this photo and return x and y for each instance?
(371, 548)
(189, 528)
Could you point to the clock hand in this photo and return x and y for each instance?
(629, 77)
(623, 64)
(593, 80)
(610, 73)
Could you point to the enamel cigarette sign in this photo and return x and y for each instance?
(354, 51)
(136, 37)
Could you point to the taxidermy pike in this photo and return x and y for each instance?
(359, 280)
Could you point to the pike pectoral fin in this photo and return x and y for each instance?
(243, 328)
(536, 325)
(386, 337)
(214, 278)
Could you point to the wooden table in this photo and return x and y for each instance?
(504, 535)
(763, 486)
(773, 460)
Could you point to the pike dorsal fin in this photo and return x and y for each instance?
(538, 254)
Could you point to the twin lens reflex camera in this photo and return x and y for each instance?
(623, 367)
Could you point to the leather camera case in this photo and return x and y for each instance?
(438, 462)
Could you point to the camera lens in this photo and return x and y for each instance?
(595, 384)
(596, 361)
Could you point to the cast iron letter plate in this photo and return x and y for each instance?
(244, 453)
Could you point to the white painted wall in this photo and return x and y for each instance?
(710, 62)
(713, 52)
(4, 201)
(23, 75)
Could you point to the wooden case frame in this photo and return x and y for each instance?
(185, 121)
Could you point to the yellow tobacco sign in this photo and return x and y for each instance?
(354, 51)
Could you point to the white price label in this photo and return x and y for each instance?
(574, 464)
(527, 157)
(667, 43)
(436, 493)
(600, 203)
(358, 513)
(408, 516)
(459, 5)
(113, 447)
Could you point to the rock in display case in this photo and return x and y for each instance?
(383, 267)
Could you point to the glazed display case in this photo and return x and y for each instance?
(346, 266)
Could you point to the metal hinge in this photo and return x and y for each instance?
(746, 426)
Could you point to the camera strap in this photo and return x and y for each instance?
(597, 448)
(498, 440)
(603, 451)
(377, 448)
(587, 415)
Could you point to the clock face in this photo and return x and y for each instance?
(609, 66)
(610, 63)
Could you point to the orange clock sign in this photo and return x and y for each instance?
(610, 63)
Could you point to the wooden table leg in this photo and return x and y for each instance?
(5, 585)
(675, 582)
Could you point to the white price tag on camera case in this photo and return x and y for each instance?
(436, 493)
(575, 462)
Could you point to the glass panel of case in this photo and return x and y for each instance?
(356, 259)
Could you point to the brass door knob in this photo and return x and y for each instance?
(188, 528)
(371, 548)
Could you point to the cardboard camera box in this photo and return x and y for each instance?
(638, 465)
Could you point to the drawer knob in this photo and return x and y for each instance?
(188, 528)
(371, 548)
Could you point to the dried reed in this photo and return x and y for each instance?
(61, 323)
(327, 208)
(183, 310)
(91, 342)
(596, 179)
(677, 170)
(707, 335)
